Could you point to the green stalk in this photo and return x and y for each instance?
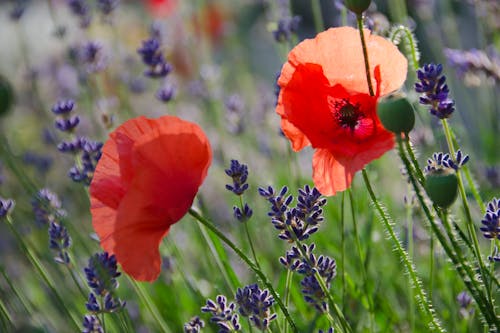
(359, 20)
(221, 259)
(288, 283)
(249, 263)
(425, 304)
(344, 325)
(411, 306)
(42, 272)
(319, 25)
(342, 256)
(5, 316)
(464, 270)
(362, 262)
(469, 223)
(148, 302)
(247, 231)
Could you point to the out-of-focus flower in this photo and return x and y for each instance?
(161, 8)
(81, 9)
(6, 207)
(210, 21)
(475, 66)
(324, 102)
(145, 181)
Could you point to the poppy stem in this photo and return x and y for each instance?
(362, 262)
(209, 225)
(452, 250)
(424, 304)
(359, 20)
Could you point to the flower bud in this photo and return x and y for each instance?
(396, 115)
(357, 6)
(6, 95)
(442, 187)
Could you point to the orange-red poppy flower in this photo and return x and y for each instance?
(145, 181)
(324, 102)
(161, 8)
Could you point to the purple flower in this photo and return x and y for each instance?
(432, 85)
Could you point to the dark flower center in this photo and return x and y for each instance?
(347, 115)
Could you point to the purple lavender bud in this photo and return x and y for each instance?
(63, 107)
(68, 124)
(165, 93)
(6, 207)
(91, 324)
(194, 325)
(432, 85)
(107, 6)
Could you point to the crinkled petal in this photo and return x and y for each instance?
(167, 160)
(304, 104)
(339, 52)
(331, 175)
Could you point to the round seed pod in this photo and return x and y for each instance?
(357, 6)
(396, 115)
(442, 187)
(6, 96)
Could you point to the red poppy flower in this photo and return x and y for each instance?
(324, 102)
(145, 181)
(161, 8)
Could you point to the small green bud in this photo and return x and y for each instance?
(442, 187)
(6, 96)
(357, 6)
(397, 115)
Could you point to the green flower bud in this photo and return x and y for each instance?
(357, 6)
(397, 115)
(6, 96)
(442, 187)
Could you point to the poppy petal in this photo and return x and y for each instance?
(330, 175)
(159, 164)
(339, 52)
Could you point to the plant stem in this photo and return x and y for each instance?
(362, 262)
(359, 20)
(148, 302)
(42, 272)
(469, 223)
(425, 304)
(249, 262)
(342, 256)
(317, 15)
(464, 270)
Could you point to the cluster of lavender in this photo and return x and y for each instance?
(101, 273)
(287, 25)
(250, 302)
(223, 314)
(239, 174)
(91, 57)
(48, 211)
(86, 151)
(442, 161)
(83, 10)
(303, 261)
(158, 68)
(296, 225)
(255, 304)
(473, 65)
(432, 84)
